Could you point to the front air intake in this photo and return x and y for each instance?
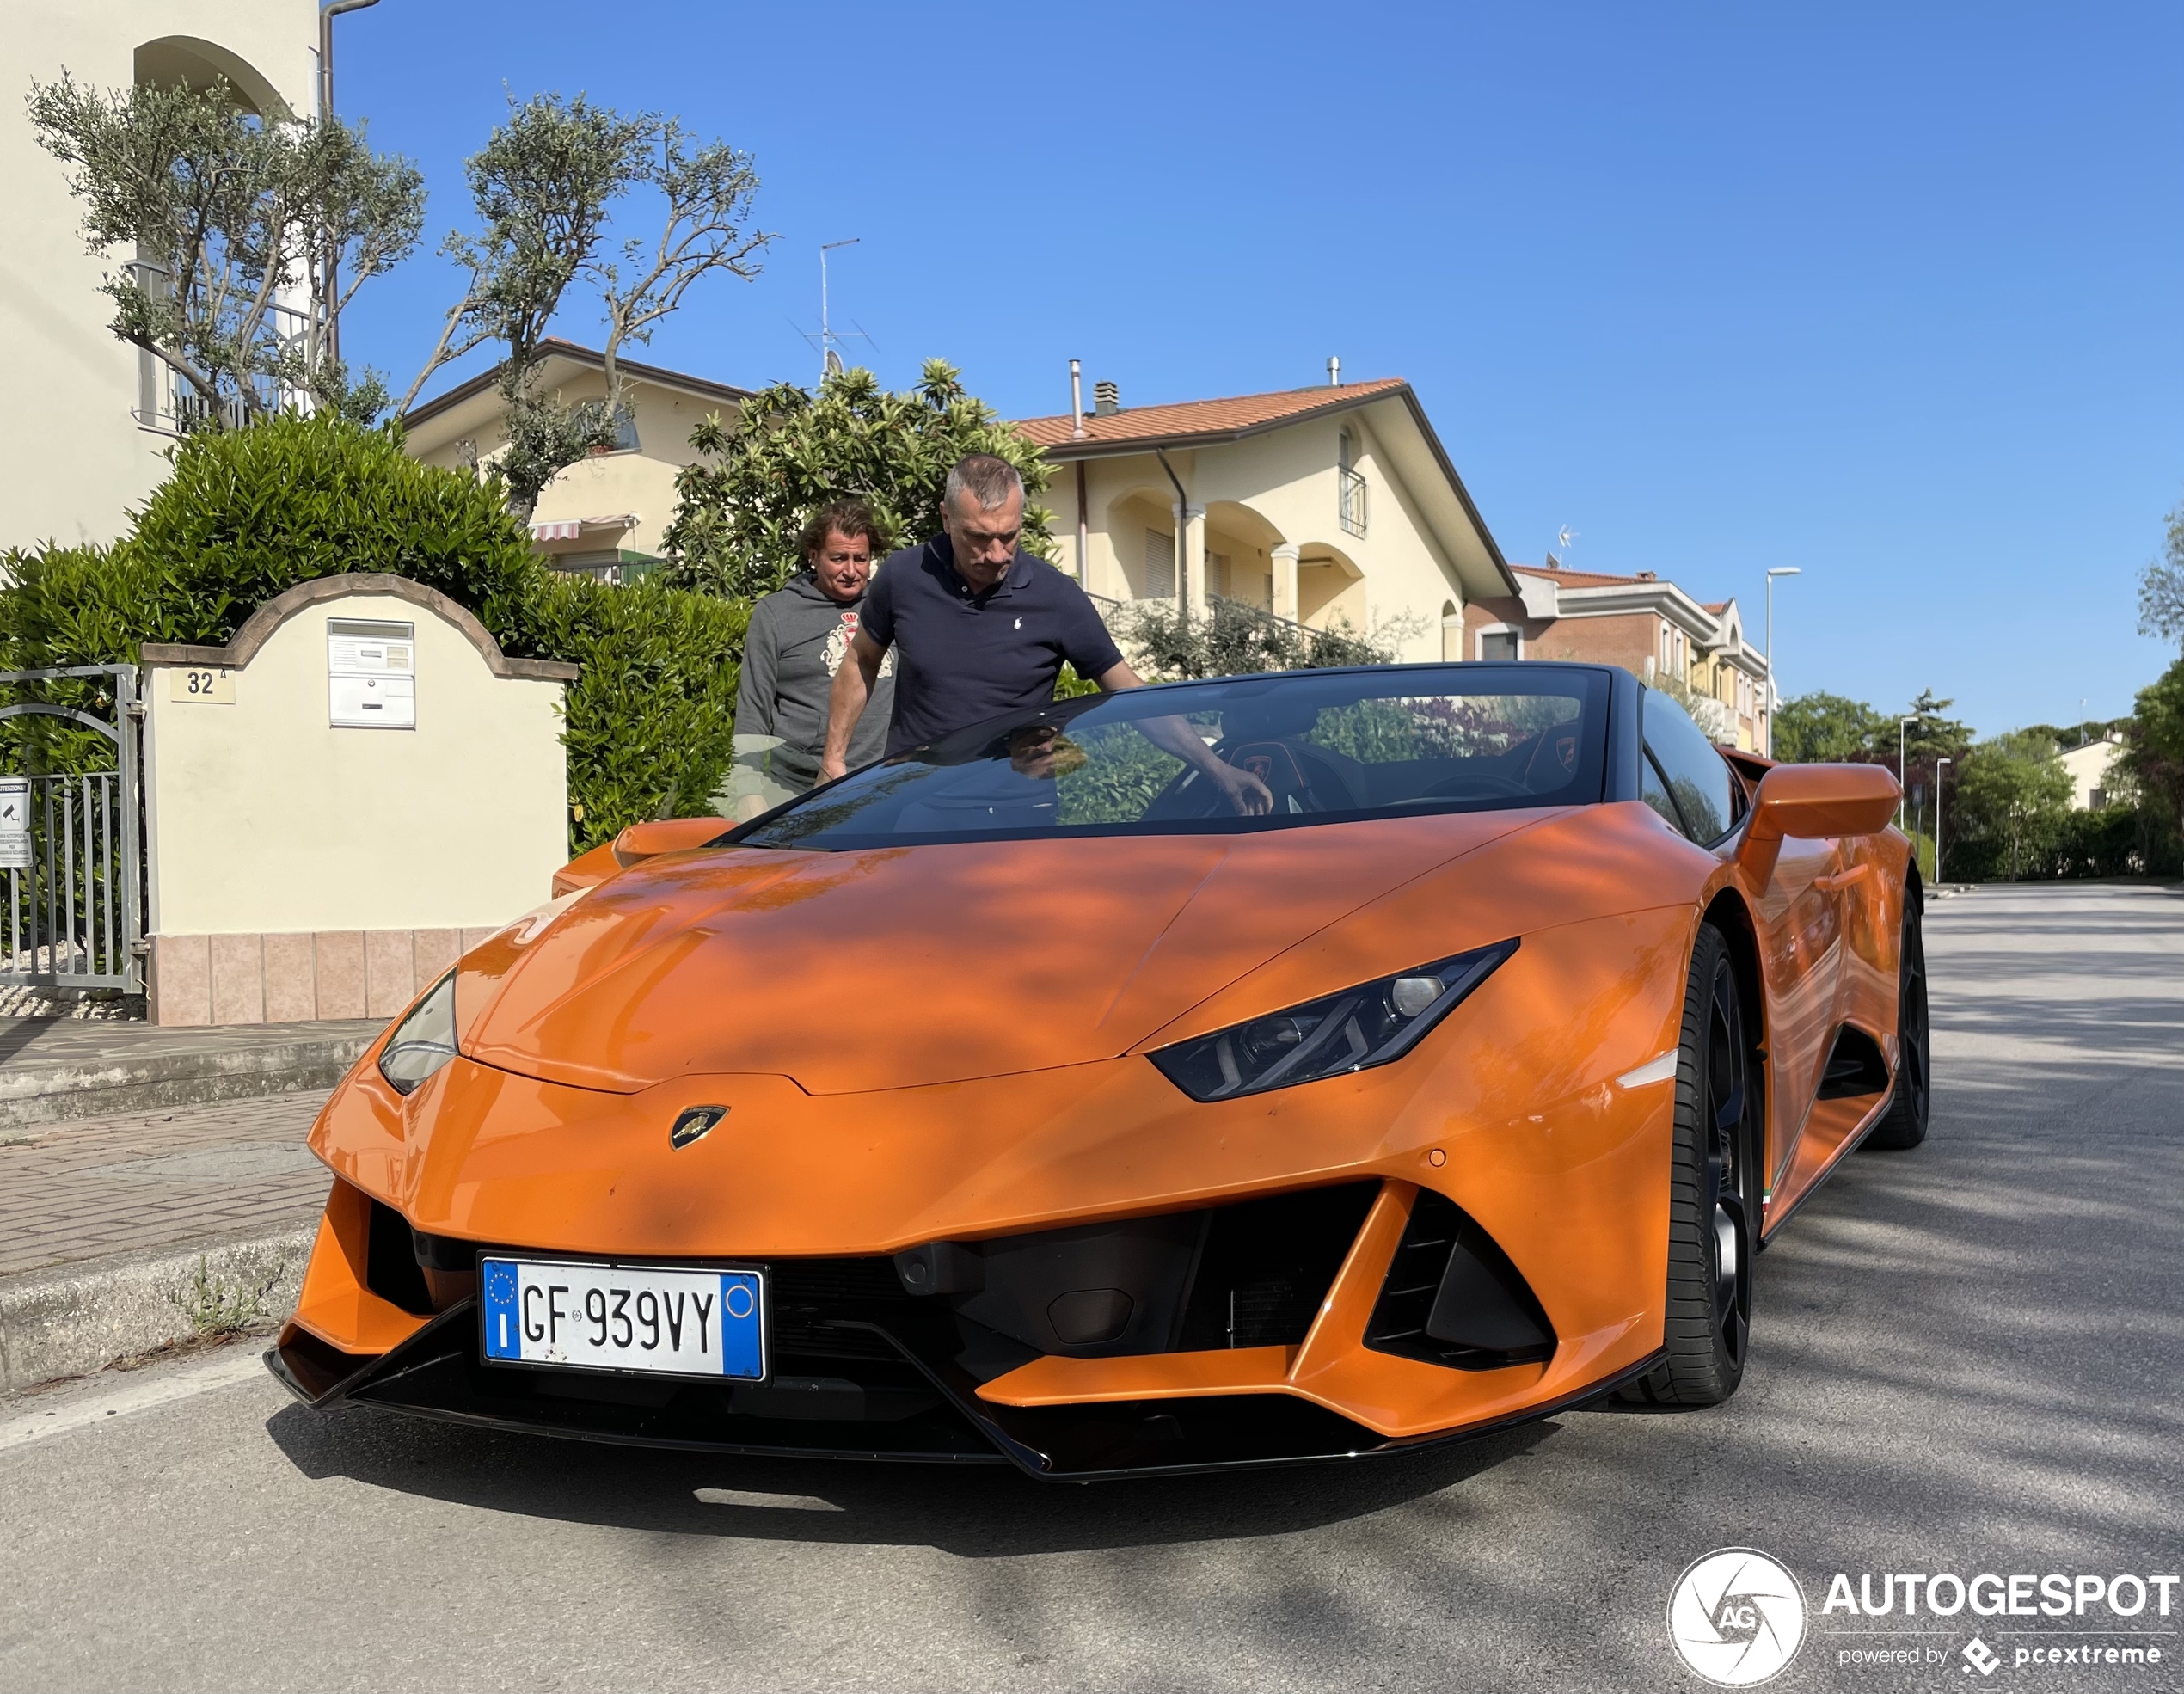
(1452, 1297)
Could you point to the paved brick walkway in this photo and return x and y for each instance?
(94, 1187)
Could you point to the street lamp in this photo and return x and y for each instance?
(1903, 770)
(1773, 693)
(1938, 763)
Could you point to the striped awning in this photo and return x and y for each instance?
(569, 528)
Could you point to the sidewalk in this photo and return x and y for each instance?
(123, 1233)
(52, 1069)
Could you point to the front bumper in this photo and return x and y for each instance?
(864, 1369)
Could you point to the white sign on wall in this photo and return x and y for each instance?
(14, 823)
(371, 673)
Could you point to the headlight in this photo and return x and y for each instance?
(1355, 1030)
(425, 1040)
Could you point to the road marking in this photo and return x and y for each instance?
(34, 1423)
(776, 1502)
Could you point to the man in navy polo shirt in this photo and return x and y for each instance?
(980, 628)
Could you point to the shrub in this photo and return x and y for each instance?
(1232, 639)
(790, 451)
(652, 714)
(250, 512)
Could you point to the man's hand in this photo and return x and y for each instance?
(1250, 796)
(845, 703)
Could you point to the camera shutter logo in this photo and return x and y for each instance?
(1737, 1618)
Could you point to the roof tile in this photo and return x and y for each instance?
(1200, 417)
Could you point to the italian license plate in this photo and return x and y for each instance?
(625, 1318)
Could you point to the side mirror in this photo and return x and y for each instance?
(634, 845)
(670, 835)
(1812, 802)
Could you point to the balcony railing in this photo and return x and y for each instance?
(167, 403)
(1351, 501)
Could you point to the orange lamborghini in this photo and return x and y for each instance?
(1047, 1096)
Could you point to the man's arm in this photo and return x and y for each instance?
(1245, 792)
(845, 703)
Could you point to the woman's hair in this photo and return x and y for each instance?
(849, 517)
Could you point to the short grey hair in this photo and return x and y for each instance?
(989, 481)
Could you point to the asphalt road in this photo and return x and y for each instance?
(1968, 1359)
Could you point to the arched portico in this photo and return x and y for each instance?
(1330, 587)
(1241, 543)
(191, 62)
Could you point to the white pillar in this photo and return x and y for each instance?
(1190, 547)
(1285, 558)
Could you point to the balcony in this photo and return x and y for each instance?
(168, 405)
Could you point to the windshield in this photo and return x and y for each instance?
(1270, 751)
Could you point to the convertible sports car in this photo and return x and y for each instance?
(1048, 1095)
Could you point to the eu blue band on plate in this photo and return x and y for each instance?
(742, 1339)
(503, 1327)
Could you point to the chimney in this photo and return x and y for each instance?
(1334, 371)
(1646, 576)
(1106, 400)
(1077, 401)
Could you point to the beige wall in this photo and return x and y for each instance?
(75, 456)
(262, 818)
(1275, 490)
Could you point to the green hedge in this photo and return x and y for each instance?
(652, 715)
(251, 512)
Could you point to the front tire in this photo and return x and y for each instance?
(1904, 1126)
(1714, 1191)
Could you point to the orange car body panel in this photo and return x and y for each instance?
(948, 1042)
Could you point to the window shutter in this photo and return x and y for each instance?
(1160, 565)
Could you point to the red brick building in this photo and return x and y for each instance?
(1651, 628)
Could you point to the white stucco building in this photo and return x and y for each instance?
(1332, 504)
(89, 437)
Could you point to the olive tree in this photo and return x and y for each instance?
(546, 186)
(224, 215)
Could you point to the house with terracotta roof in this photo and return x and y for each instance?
(1331, 505)
(1650, 627)
(604, 515)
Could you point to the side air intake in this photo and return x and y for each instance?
(1452, 1298)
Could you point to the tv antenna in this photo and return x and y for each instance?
(829, 340)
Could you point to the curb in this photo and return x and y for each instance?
(77, 1318)
(108, 1087)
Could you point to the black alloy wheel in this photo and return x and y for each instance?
(1904, 1126)
(1714, 1191)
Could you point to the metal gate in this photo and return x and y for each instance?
(72, 848)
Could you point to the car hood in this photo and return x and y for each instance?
(907, 966)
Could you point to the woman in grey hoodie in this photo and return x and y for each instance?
(799, 635)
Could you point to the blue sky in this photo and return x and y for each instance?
(1886, 292)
